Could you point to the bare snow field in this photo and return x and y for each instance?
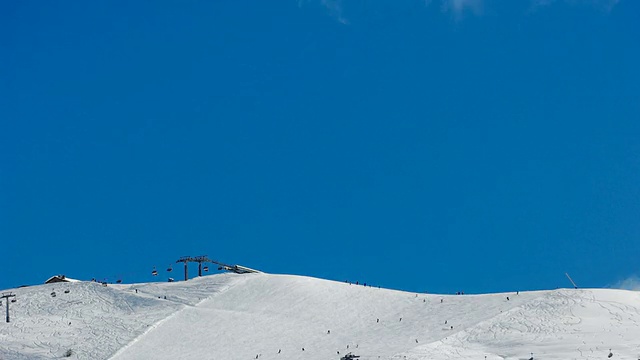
(263, 316)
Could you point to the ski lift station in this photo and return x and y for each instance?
(203, 259)
(59, 279)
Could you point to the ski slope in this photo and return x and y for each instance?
(231, 316)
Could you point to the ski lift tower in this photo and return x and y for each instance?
(201, 259)
(185, 260)
(6, 297)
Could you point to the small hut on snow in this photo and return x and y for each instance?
(58, 279)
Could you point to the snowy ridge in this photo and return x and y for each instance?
(91, 320)
(266, 316)
(186, 300)
(562, 324)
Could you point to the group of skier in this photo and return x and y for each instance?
(446, 322)
(358, 283)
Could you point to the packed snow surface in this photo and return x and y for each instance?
(284, 317)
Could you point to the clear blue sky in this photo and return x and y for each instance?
(431, 146)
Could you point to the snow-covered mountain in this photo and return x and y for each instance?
(230, 316)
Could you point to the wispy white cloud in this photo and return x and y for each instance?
(336, 9)
(630, 283)
(459, 7)
(603, 4)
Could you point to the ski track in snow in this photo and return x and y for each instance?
(92, 320)
(273, 317)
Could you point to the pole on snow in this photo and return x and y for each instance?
(6, 297)
(187, 259)
(200, 260)
(569, 277)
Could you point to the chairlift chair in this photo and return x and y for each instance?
(13, 300)
(206, 268)
(170, 268)
(154, 272)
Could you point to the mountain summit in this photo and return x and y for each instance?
(282, 317)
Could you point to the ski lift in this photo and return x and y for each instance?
(53, 294)
(13, 300)
(119, 281)
(66, 291)
(154, 272)
(169, 268)
(170, 280)
(206, 268)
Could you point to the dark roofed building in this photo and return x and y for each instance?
(58, 279)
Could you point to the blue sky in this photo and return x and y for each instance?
(441, 146)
